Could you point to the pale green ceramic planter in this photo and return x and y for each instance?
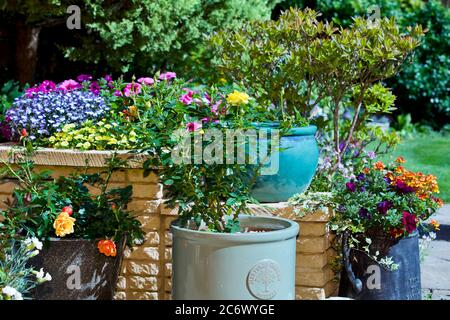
(242, 266)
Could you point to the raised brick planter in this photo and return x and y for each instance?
(146, 270)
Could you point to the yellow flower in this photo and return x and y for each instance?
(223, 80)
(64, 224)
(435, 224)
(236, 98)
(86, 145)
(64, 144)
(133, 111)
(52, 139)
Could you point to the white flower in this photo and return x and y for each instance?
(432, 235)
(42, 277)
(33, 253)
(12, 293)
(33, 243)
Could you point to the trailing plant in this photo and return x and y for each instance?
(46, 207)
(383, 200)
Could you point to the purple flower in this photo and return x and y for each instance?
(84, 77)
(47, 86)
(46, 113)
(167, 76)
(117, 93)
(108, 78)
(146, 81)
(362, 189)
(384, 206)
(361, 177)
(371, 155)
(94, 87)
(341, 145)
(403, 187)
(409, 221)
(388, 181)
(351, 186)
(364, 213)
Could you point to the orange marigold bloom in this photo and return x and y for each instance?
(64, 224)
(435, 224)
(366, 170)
(107, 247)
(400, 160)
(439, 201)
(400, 169)
(379, 165)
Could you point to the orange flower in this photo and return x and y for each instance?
(63, 224)
(400, 160)
(439, 202)
(379, 165)
(435, 224)
(400, 169)
(107, 247)
(366, 170)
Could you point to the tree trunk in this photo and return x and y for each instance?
(27, 40)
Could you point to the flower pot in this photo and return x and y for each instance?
(298, 160)
(379, 283)
(247, 266)
(79, 271)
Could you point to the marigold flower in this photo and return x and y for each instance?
(379, 165)
(64, 224)
(400, 160)
(107, 247)
(366, 170)
(237, 98)
(435, 224)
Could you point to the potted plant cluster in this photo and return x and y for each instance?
(379, 216)
(299, 64)
(84, 235)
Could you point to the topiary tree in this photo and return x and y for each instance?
(129, 36)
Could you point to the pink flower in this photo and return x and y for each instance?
(69, 85)
(84, 77)
(117, 93)
(47, 86)
(146, 81)
(215, 107)
(209, 120)
(132, 89)
(409, 221)
(167, 76)
(193, 126)
(187, 97)
(30, 92)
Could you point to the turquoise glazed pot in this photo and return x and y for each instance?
(235, 266)
(298, 158)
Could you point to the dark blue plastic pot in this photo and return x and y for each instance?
(298, 158)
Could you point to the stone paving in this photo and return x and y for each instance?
(436, 265)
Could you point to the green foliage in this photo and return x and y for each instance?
(8, 93)
(148, 35)
(39, 199)
(422, 86)
(15, 273)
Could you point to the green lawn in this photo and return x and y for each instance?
(428, 154)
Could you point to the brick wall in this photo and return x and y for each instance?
(146, 270)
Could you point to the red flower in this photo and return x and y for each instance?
(409, 221)
(68, 210)
(24, 133)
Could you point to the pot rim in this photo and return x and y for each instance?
(308, 130)
(289, 229)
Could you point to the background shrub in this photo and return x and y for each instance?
(422, 87)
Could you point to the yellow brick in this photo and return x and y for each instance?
(313, 244)
(147, 191)
(305, 293)
(309, 278)
(143, 268)
(142, 283)
(151, 238)
(168, 284)
(165, 210)
(142, 253)
(331, 288)
(168, 254)
(313, 228)
(168, 220)
(142, 295)
(137, 175)
(168, 269)
(168, 238)
(7, 187)
(317, 261)
(149, 223)
(121, 283)
(120, 295)
(318, 216)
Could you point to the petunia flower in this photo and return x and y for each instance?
(193, 126)
(167, 76)
(132, 89)
(146, 81)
